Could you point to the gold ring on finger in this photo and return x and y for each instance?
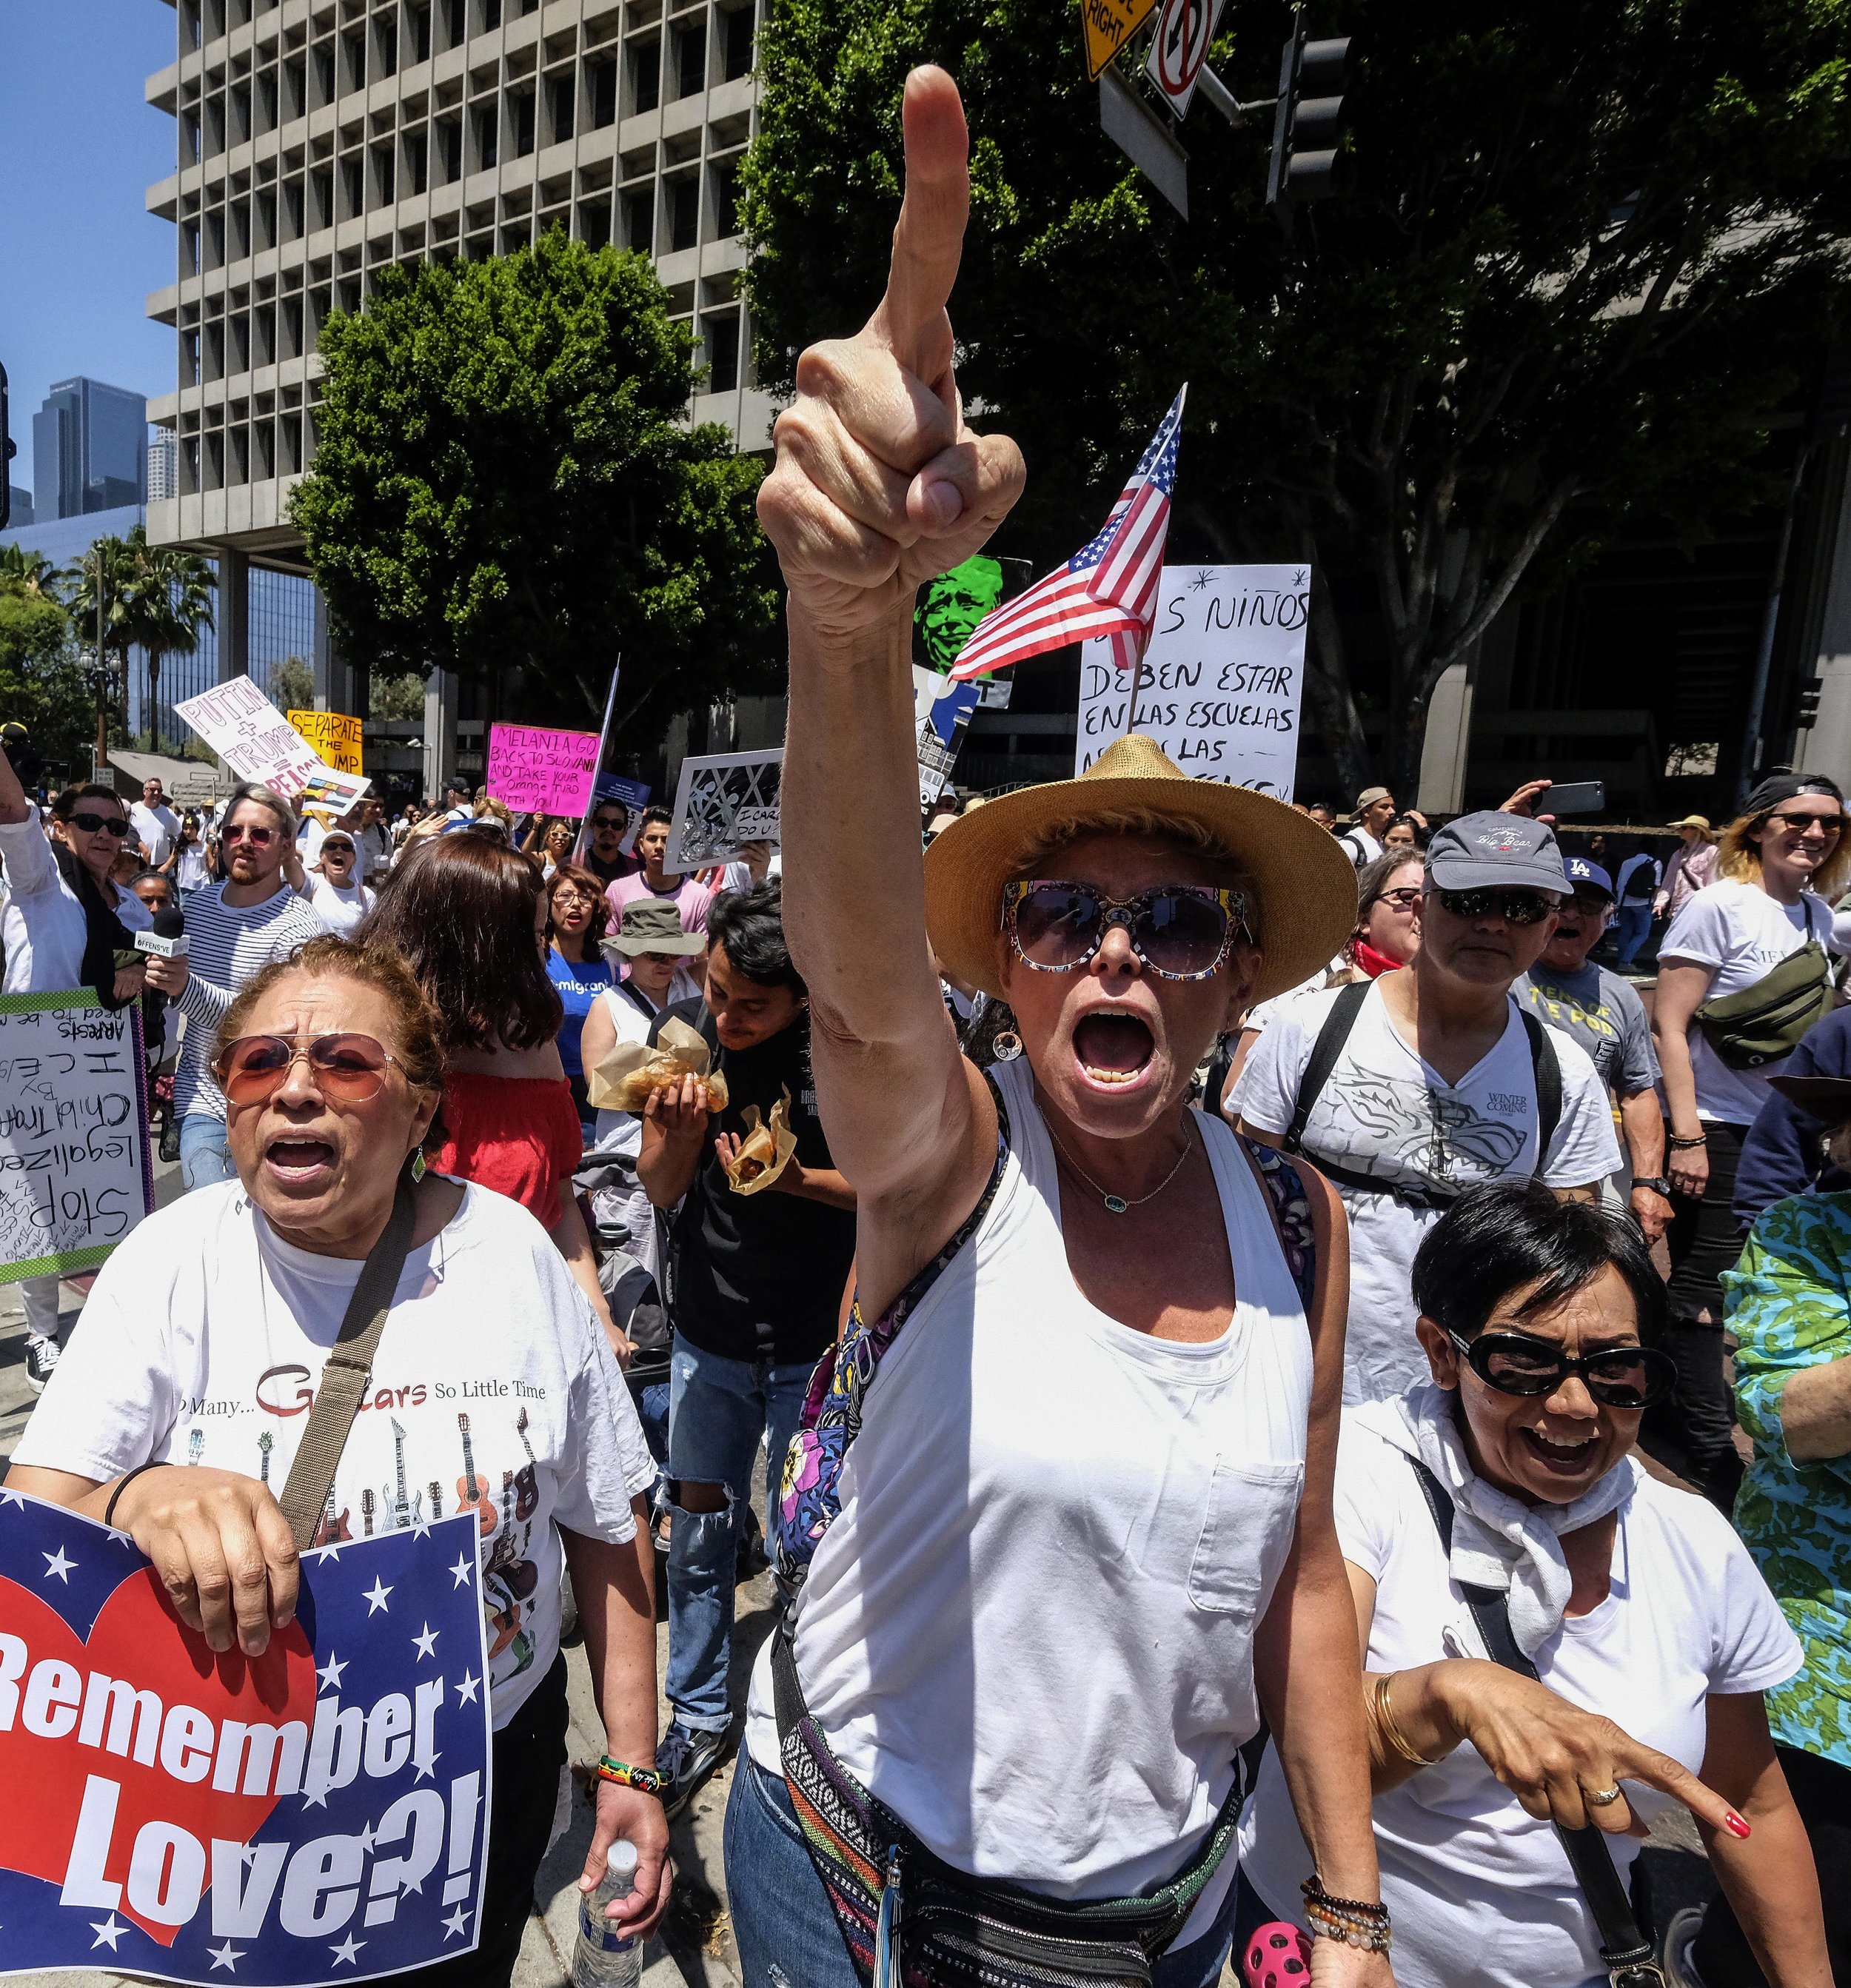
(1601, 1797)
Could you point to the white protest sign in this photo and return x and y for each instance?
(255, 739)
(1222, 677)
(74, 1177)
(723, 802)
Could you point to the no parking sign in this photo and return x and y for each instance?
(1179, 49)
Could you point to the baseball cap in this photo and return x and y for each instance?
(1779, 787)
(1481, 850)
(1580, 872)
(1370, 795)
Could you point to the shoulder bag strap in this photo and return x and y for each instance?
(343, 1381)
(1546, 1067)
(1290, 1207)
(1324, 1053)
(1624, 1949)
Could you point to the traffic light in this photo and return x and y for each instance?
(1808, 705)
(1307, 123)
(7, 450)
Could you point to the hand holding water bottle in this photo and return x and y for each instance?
(633, 1825)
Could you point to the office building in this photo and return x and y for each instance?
(163, 465)
(89, 450)
(321, 141)
(19, 504)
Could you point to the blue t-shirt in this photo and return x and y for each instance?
(578, 987)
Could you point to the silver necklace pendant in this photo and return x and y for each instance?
(1114, 1205)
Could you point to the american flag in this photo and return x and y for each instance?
(1108, 587)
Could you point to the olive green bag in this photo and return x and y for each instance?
(1764, 1023)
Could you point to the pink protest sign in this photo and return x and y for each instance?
(538, 771)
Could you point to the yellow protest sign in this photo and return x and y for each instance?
(335, 736)
(1109, 24)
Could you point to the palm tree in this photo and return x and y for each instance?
(178, 588)
(153, 598)
(33, 571)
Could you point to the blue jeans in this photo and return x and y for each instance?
(1631, 923)
(718, 1408)
(205, 1151)
(786, 1927)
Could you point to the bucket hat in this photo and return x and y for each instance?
(652, 925)
(1302, 890)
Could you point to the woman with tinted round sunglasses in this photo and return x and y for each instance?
(1653, 1635)
(1781, 866)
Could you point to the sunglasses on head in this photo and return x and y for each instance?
(100, 824)
(1180, 931)
(248, 831)
(1617, 1377)
(348, 1069)
(1515, 907)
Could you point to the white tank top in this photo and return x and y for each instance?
(1029, 1629)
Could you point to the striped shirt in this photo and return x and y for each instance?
(226, 945)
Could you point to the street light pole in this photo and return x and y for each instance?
(102, 677)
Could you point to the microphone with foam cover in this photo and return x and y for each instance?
(167, 940)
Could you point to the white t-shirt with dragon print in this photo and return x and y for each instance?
(493, 1386)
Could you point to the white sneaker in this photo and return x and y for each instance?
(41, 1362)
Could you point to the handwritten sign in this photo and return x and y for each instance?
(314, 1814)
(1222, 678)
(538, 771)
(338, 739)
(255, 739)
(74, 1174)
(723, 802)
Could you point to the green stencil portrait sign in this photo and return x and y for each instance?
(950, 608)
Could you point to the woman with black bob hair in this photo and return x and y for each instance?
(1649, 1636)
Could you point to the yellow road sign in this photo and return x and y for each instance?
(1109, 24)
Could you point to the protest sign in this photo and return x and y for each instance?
(723, 802)
(539, 772)
(338, 739)
(255, 739)
(316, 1814)
(1221, 679)
(634, 794)
(941, 712)
(74, 1174)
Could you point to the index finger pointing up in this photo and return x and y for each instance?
(928, 239)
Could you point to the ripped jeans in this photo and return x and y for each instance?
(717, 1409)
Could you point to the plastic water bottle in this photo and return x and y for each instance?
(603, 1957)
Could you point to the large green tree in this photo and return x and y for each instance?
(1587, 249)
(42, 682)
(505, 479)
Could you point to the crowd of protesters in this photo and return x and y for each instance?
(1234, 1301)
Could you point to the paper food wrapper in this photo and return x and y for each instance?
(626, 1079)
(766, 1149)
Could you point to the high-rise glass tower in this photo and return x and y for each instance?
(89, 450)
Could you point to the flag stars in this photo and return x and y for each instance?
(348, 1950)
(58, 1564)
(376, 1600)
(465, 1688)
(15, 1499)
(425, 1643)
(107, 1931)
(456, 1924)
(460, 1573)
(330, 1672)
(227, 1956)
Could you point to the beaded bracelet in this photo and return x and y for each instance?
(1684, 1145)
(1392, 1733)
(645, 1780)
(1355, 1921)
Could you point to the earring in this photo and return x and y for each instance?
(1007, 1046)
(417, 1166)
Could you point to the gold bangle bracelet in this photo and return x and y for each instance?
(1385, 1722)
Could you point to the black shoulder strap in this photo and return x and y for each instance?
(1547, 1067)
(1324, 1053)
(1624, 1949)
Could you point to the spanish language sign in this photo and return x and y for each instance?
(314, 1814)
(1222, 680)
(74, 1173)
(338, 739)
(538, 771)
(722, 802)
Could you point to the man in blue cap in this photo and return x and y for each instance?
(1601, 1012)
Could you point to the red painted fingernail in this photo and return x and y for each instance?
(1736, 1826)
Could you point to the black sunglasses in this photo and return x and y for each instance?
(1617, 1377)
(1403, 897)
(100, 824)
(1181, 931)
(1515, 907)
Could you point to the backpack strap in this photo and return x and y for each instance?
(1290, 1207)
(1547, 1069)
(1324, 1053)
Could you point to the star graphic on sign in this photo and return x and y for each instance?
(456, 1923)
(423, 1768)
(318, 1800)
(1203, 578)
(56, 1564)
(13, 1498)
(109, 1930)
(461, 1571)
(421, 1530)
(1297, 579)
(227, 1956)
(348, 1950)
(329, 1673)
(465, 1688)
(366, 1838)
(426, 1642)
(376, 1598)
(327, 1553)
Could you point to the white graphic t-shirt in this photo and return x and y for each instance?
(494, 1388)
(1386, 1112)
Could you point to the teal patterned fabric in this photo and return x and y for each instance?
(1789, 1302)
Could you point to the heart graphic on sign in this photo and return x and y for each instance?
(137, 1636)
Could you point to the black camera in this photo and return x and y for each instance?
(22, 756)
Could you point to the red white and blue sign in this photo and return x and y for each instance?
(317, 1815)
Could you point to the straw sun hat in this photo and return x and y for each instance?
(1301, 890)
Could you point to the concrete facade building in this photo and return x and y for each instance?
(319, 141)
(89, 450)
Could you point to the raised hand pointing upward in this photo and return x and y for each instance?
(879, 483)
